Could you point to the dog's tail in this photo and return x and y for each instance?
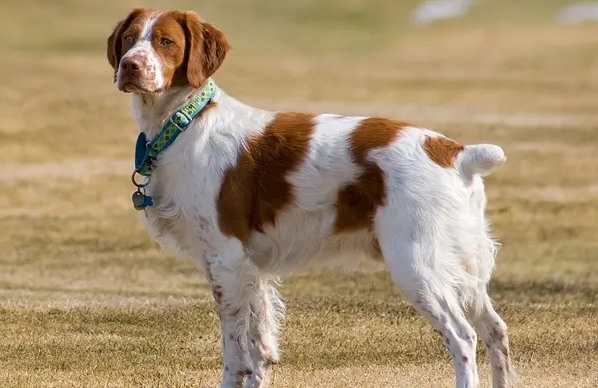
(470, 160)
(479, 159)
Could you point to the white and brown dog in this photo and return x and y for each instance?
(252, 194)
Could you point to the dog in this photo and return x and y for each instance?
(252, 195)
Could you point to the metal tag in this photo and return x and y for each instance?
(138, 198)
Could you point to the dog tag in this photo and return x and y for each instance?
(138, 198)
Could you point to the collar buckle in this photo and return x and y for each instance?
(177, 126)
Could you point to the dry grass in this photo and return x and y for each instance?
(87, 300)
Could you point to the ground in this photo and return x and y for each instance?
(88, 300)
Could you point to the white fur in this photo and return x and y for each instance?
(432, 230)
(480, 159)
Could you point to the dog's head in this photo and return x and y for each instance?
(152, 50)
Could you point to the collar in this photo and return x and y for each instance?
(146, 152)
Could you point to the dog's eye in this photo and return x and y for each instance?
(128, 39)
(165, 42)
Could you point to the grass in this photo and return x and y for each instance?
(88, 300)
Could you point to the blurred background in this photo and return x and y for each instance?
(88, 300)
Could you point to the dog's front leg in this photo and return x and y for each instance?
(234, 282)
(265, 323)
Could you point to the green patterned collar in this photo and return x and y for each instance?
(146, 152)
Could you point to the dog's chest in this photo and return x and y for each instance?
(183, 219)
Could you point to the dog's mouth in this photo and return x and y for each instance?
(134, 86)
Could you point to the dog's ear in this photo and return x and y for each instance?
(205, 49)
(114, 43)
(114, 48)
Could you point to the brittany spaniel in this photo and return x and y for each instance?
(253, 194)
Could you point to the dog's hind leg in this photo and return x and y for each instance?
(422, 269)
(493, 332)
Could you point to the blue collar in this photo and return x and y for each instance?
(146, 152)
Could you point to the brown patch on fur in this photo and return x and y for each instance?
(442, 151)
(171, 27)
(357, 202)
(256, 189)
(205, 49)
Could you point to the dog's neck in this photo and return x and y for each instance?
(152, 110)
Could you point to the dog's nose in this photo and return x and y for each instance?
(130, 64)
